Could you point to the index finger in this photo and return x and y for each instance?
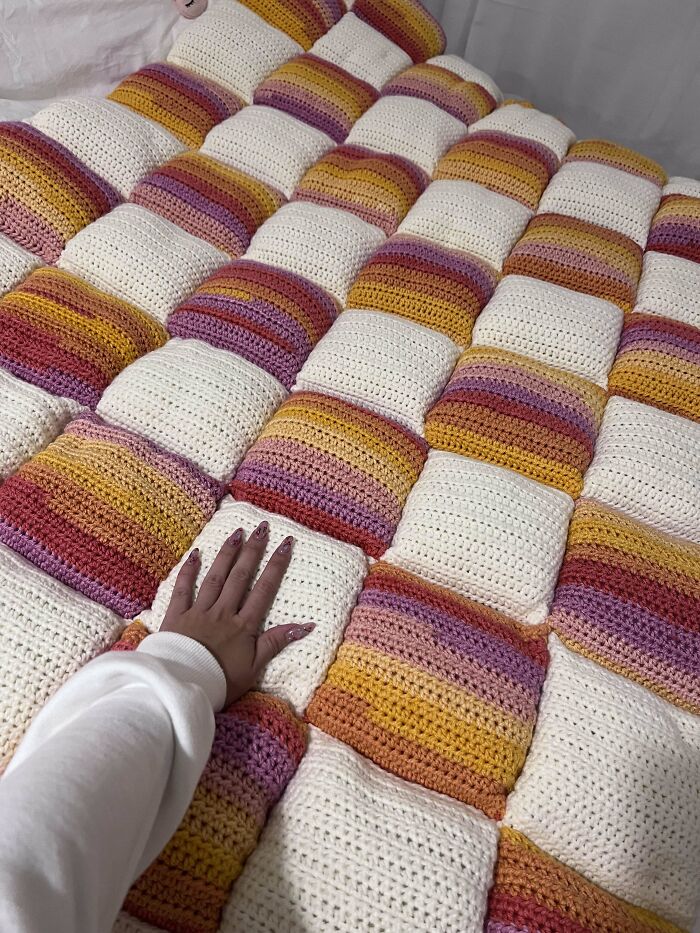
(263, 594)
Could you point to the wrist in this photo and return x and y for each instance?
(189, 660)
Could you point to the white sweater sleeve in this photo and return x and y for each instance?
(101, 781)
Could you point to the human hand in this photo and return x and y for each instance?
(225, 617)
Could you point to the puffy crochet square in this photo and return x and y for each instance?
(443, 289)
(605, 152)
(532, 892)
(578, 255)
(435, 688)
(234, 47)
(268, 144)
(468, 101)
(610, 786)
(69, 338)
(528, 123)
(486, 533)
(390, 127)
(629, 598)
(377, 188)
(270, 317)
(105, 511)
(141, 258)
(15, 263)
(647, 464)
(215, 202)
(304, 20)
(325, 245)
(334, 467)
(670, 286)
(46, 194)
(116, 143)
(658, 362)
(320, 586)
(676, 227)
(48, 632)
(405, 22)
(185, 103)
(31, 419)
(510, 165)
(468, 72)
(519, 413)
(318, 93)
(364, 52)
(195, 400)
(396, 856)
(464, 215)
(679, 185)
(382, 362)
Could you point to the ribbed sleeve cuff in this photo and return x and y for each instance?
(191, 661)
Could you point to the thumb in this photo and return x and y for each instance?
(274, 640)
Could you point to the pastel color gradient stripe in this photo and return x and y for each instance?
(533, 892)
(578, 255)
(676, 227)
(518, 413)
(378, 188)
(465, 100)
(69, 338)
(219, 204)
(333, 467)
(405, 22)
(510, 165)
(440, 288)
(435, 688)
(186, 104)
(658, 363)
(269, 316)
(616, 156)
(106, 512)
(304, 20)
(629, 598)
(47, 195)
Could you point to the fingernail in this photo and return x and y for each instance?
(235, 538)
(301, 631)
(286, 546)
(194, 555)
(262, 530)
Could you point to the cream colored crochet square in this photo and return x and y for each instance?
(360, 49)
(408, 127)
(381, 362)
(350, 849)
(234, 46)
(670, 286)
(15, 264)
(31, 419)
(467, 72)
(268, 144)
(114, 141)
(647, 464)
(679, 185)
(48, 632)
(610, 786)
(194, 400)
(323, 581)
(603, 195)
(530, 124)
(566, 329)
(325, 245)
(485, 532)
(142, 258)
(467, 216)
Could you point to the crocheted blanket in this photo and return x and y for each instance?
(311, 268)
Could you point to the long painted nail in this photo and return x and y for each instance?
(235, 538)
(300, 631)
(194, 556)
(262, 530)
(286, 546)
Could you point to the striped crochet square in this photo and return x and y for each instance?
(519, 168)
(676, 227)
(468, 101)
(106, 512)
(181, 101)
(269, 316)
(46, 194)
(318, 93)
(434, 688)
(304, 20)
(629, 598)
(533, 892)
(440, 288)
(378, 188)
(658, 363)
(207, 199)
(616, 156)
(468, 72)
(65, 336)
(523, 120)
(519, 413)
(405, 22)
(333, 467)
(578, 255)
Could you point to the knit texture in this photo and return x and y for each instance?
(434, 688)
(405, 22)
(67, 337)
(361, 50)
(468, 72)
(106, 512)
(670, 286)
(608, 153)
(15, 263)
(517, 413)
(304, 20)
(527, 122)
(676, 227)
(334, 467)
(270, 317)
(46, 194)
(379, 189)
(468, 101)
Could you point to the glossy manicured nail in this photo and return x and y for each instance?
(194, 556)
(262, 530)
(235, 538)
(286, 546)
(300, 631)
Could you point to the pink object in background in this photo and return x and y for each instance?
(191, 9)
